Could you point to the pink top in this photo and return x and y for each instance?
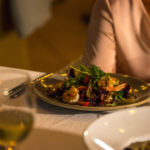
(119, 38)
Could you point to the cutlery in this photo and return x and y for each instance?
(18, 90)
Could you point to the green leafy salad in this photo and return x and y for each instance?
(91, 87)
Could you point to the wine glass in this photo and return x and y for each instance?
(16, 107)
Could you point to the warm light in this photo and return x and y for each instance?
(106, 123)
(135, 90)
(121, 130)
(125, 75)
(64, 74)
(86, 133)
(143, 87)
(132, 111)
(5, 92)
(102, 144)
(9, 148)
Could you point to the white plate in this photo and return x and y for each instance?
(117, 130)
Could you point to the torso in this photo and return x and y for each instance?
(133, 36)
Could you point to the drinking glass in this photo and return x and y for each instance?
(16, 107)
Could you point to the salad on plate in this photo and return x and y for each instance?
(90, 86)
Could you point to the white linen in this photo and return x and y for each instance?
(55, 128)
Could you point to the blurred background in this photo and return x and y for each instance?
(42, 35)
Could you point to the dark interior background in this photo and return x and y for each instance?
(58, 42)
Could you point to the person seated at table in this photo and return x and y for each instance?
(118, 39)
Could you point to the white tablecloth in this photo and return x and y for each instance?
(56, 128)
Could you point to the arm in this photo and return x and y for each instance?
(101, 45)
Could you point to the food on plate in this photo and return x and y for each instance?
(139, 146)
(91, 87)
